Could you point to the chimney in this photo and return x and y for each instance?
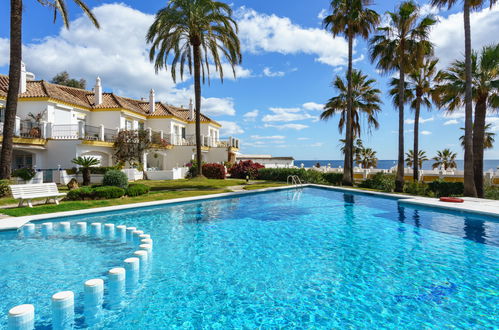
(191, 110)
(22, 85)
(152, 101)
(98, 92)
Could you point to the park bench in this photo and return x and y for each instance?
(27, 192)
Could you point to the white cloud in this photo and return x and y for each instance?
(297, 127)
(4, 51)
(316, 145)
(448, 33)
(451, 122)
(322, 14)
(425, 132)
(495, 123)
(230, 128)
(428, 9)
(251, 115)
(273, 137)
(313, 106)
(286, 115)
(228, 73)
(216, 107)
(270, 33)
(303, 138)
(421, 120)
(269, 73)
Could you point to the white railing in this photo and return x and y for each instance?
(65, 132)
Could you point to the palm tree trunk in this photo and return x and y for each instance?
(469, 179)
(197, 96)
(13, 92)
(478, 144)
(348, 164)
(399, 179)
(415, 166)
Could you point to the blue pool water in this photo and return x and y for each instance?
(310, 258)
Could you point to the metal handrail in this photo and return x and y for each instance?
(295, 180)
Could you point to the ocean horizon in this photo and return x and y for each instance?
(488, 164)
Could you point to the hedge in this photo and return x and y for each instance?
(308, 176)
(380, 181)
(80, 194)
(245, 168)
(214, 171)
(445, 189)
(108, 192)
(137, 189)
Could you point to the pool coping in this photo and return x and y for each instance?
(471, 205)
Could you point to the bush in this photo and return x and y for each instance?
(446, 189)
(333, 178)
(101, 169)
(491, 192)
(417, 188)
(245, 168)
(214, 171)
(4, 188)
(280, 174)
(137, 189)
(380, 181)
(115, 178)
(24, 173)
(108, 192)
(313, 176)
(80, 194)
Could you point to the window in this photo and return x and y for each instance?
(183, 132)
(141, 125)
(128, 125)
(2, 113)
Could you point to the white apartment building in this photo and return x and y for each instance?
(56, 123)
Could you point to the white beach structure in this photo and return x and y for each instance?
(72, 122)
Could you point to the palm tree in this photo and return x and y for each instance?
(365, 101)
(367, 158)
(421, 157)
(192, 32)
(86, 163)
(445, 159)
(420, 87)
(350, 18)
(358, 146)
(451, 93)
(468, 5)
(402, 46)
(16, 15)
(489, 139)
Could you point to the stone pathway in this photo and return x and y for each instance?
(236, 188)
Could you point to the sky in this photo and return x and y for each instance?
(289, 62)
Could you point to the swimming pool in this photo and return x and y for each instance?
(291, 258)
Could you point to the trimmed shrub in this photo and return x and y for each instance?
(137, 189)
(446, 189)
(333, 178)
(280, 174)
(313, 176)
(245, 168)
(24, 173)
(80, 194)
(108, 192)
(4, 188)
(214, 171)
(380, 181)
(115, 178)
(417, 188)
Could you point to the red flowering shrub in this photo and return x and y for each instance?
(214, 171)
(247, 168)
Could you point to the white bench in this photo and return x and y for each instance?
(27, 192)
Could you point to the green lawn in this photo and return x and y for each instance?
(160, 190)
(264, 184)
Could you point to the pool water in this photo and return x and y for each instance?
(305, 258)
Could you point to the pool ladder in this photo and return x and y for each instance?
(294, 179)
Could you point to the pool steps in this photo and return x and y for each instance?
(120, 279)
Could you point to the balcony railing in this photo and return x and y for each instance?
(65, 132)
(92, 133)
(110, 134)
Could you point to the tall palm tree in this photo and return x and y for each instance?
(410, 158)
(468, 5)
(489, 139)
(16, 18)
(365, 101)
(367, 158)
(445, 159)
(350, 18)
(402, 46)
(451, 93)
(420, 82)
(194, 33)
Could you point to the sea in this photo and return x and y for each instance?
(488, 164)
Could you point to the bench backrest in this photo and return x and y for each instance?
(22, 190)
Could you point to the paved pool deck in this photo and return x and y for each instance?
(471, 205)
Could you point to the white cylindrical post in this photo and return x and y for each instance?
(47, 228)
(146, 247)
(63, 310)
(93, 299)
(144, 236)
(64, 227)
(129, 233)
(109, 230)
(29, 229)
(121, 233)
(22, 317)
(116, 287)
(146, 241)
(136, 234)
(96, 229)
(132, 272)
(143, 257)
(81, 228)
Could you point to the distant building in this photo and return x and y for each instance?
(268, 161)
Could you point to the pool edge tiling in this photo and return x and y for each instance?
(471, 205)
